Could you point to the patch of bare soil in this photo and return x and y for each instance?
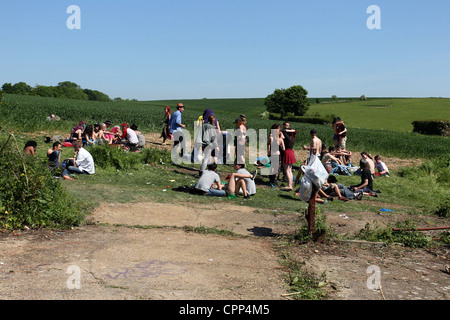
(144, 251)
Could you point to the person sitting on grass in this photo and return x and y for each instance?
(381, 167)
(82, 163)
(54, 160)
(366, 185)
(241, 180)
(30, 148)
(129, 137)
(207, 180)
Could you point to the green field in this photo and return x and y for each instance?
(386, 114)
(377, 125)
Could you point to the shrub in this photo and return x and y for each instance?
(107, 157)
(433, 127)
(30, 196)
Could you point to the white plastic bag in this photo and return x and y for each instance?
(305, 189)
(316, 172)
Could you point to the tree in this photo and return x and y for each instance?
(288, 100)
(95, 95)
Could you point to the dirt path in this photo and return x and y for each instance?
(144, 251)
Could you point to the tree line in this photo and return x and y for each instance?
(65, 89)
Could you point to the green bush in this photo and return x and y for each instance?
(433, 127)
(30, 196)
(107, 157)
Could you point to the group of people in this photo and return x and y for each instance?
(105, 133)
(336, 159)
(81, 163)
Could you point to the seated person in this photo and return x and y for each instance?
(30, 148)
(108, 136)
(129, 137)
(344, 155)
(77, 131)
(381, 167)
(242, 179)
(209, 177)
(368, 158)
(366, 185)
(54, 159)
(83, 163)
(88, 135)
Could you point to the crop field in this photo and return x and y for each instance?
(377, 125)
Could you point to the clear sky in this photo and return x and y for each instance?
(189, 49)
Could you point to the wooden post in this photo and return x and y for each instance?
(311, 215)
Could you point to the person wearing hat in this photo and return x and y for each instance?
(176, 128)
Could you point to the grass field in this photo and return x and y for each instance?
(418, 191)
(377, 126)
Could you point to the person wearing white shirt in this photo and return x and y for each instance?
(83, 163)
(381, 167)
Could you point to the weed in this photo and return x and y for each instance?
(304, 285)
(413, 239)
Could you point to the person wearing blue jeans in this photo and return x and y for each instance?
(83, 163)
(208, 178)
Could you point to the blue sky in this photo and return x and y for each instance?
(175, 49)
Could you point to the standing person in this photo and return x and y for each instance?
(315, 146)
(209, 142)
(165, 134)
(272, 141)
(176, 126)
(288, 155)
(341, 132)
(240, 139)
(83, 163)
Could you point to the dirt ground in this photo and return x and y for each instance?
(144, 251)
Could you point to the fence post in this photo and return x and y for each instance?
(311, 215)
